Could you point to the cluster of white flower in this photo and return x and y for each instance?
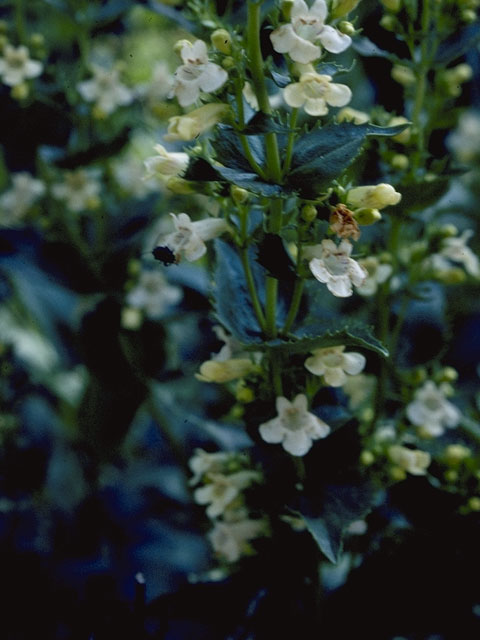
(21, 196)
(431, 412)
(453, 251)
(105, 90)
(224, 477)
(79, 190)
(332, 265)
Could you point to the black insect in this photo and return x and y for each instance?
(165, 255)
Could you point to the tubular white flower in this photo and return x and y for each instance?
(334, 365)
(222, 490)
(16, 66)
(314, 92)
(79, 190)
(189, 237)
(456, 250)
(225, 370)
(415, 461)
(196, 74)
(106, 90)
(295, 427)
(166, 163)
(307, 27)
(230, 539)
(15, 202)
(336, 269)
(196, 122)
(153, 294)
(431, 411)
(378, 273)
(203, 462)
(376, 196)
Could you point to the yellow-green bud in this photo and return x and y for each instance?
(222, 40)
(392, 5)
(447, 374)
(404, 136)
(178, 185)
(347, 114)
(178, 46)
(367, 458)
(309, 213)
(367, 216)
(456, 453)
(385, 257)
(474, 503)
(468, 16)
(448, 231)
(463, 72)
(388, 22)
(225, 370)
(131, 318)
(451, 475)
(237, 412)
(244, 394)
(376, 196)
(400, 161)
(398, 474)
(20, 91)
(286, 9)
(228, 63)
(239, 195)
(37, 40)
(418, 376)
(346, 27)
(402, 74)
(455, 275)
(343, 7)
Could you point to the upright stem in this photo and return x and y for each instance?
(20, 22)
(291, 140)
(271, 286)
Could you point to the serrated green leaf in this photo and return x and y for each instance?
(264, 123)
(322, 155)
(328, 516)
(229, 149)
(424, 194)
(322, 335)
(368, 49)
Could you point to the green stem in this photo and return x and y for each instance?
(254, 53)
(271, 285)
(20, 21)
(252, 289)
(295, 305)
(290, 142)
(243, 139)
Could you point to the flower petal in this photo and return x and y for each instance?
(298, 443)
(272, 431)
(334, 377)
(212, 78)
(333, 40)
(293, 96)
(340, 286)
(338, 95)
(353, 362)
(316, 107)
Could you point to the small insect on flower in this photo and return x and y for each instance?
(165, 255)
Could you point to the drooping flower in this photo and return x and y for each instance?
(230, 540)
(343, 224)
(106, 90)
(314, 92)
(196, 74)
(225, 370)
(335, 268)
(166, 163)
(294, 427)
(378, 273)
(16, 66)
(16, 202)
(334, 365)
(196, 122)
(415, 461)
(430, 410)
(188, 239)
(307, 27)
(222, 490)
(80, 190)
(153, 294)
(376, 196)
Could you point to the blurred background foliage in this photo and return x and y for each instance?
(100, 410)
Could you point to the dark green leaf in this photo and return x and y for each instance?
(424, 194)
(459, 45)
(330, 334)
(229, 148)
(174, 14)
(328, 516)
(369, 49)
(322, 155)
(263, 123)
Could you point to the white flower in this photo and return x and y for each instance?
(230, 539)
(336, 269)
(314, 91)
(295, 427)
(106, 90)
(196, 74)
(456, 250)
(376, 196)
(431, 411)
(153, 294)
(352, 115)
(414, 461)
(465, 140)
(159, 86)
(196, 122)
(129, 173)
(79, 190)
(222, 490)
(16, 66)
(306, 28)
(334, 365)
(23, 193)
(203, 462)
(359, 389)
(378, 273)
(188, 239)
(225, 370)
(166, 163)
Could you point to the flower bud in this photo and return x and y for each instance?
(222, 41)
(20, 91)
(180, 44)
(456, 453)
(195, 122)
(468, 16)
(244, 394)
(474, 504)
(239, 195)
(392, 5)
(37, 40)
(388, 22)
(346, 27)
(404, 136)
(403, 75)
(309, 213)
(367, 458)
(131, 318)
(451, 475)
(399, 161)
(228, 63)
(463, 72)
(347, 114)
(397, 474)
(448, 231)
(455, 275)
(447, 374)
(366, 216)
(343, 7)
(373, 197)
(226, 370)
(180, 186)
